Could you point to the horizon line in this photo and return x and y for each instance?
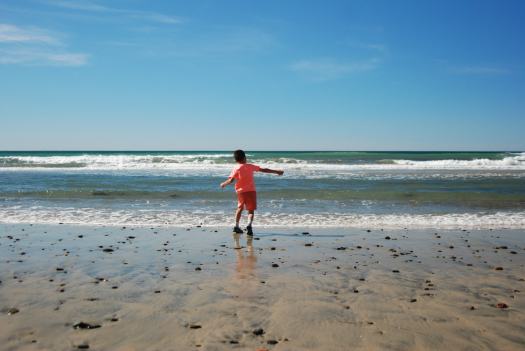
(253, 150)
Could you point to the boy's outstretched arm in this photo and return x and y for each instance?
(227, 182)
(274, 171)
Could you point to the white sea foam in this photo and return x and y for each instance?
(97, 216)
(510, 162)
(181, 163)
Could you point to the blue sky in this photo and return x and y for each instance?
(210, 74)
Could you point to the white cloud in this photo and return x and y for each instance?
(480, 70)
(35, 46)
(41, 57)
(328, 68)
(78, 5)
(89, 6)
(14, 34)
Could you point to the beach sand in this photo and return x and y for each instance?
(65, 287)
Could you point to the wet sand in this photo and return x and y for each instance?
(66, 287)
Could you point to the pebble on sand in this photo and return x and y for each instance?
(258, 332)
(502, 305)
(83, 325)
(12, 311)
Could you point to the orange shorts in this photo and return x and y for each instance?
(248, 200)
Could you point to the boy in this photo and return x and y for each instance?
(245, 188)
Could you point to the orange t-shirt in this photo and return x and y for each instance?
(243, 174)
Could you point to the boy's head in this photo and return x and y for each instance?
(239, 156)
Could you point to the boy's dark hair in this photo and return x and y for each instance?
(239, 155)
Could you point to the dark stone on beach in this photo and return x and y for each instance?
(108, 250)
(272, 248)
(387, 237)
(308, 244)
(81, 236)
(83, 325)
(272, 342)
(234, 342)
(59, 269)
(501, 247)
(275, 265)
(114, 287)
(258, 332)
(157, 291)
(472, 308)
(195, 326)
(498, 268)
(341, 248)
(198, 269)
(368, 230)
(513, 252)
(356, 291)
(131, 237)
(502, 305)
(113, 319)
(305, 233)
(83, 346)
(413, 300)
(395, 271)
(12, 311)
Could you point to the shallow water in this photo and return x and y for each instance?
(355, 189)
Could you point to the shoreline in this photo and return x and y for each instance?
(329, 289)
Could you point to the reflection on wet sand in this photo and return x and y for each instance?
(246, 259)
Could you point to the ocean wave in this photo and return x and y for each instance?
(510, 162)
(179, 218)
(180, 163)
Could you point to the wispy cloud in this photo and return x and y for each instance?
(328, 68)
(41, 57)
(90, 6)
(35, 46)
(480, 70)
(13, 34)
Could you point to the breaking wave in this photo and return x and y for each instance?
(180, 218)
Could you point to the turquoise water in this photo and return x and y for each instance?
(379, 189)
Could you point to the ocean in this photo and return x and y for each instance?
(452, 190)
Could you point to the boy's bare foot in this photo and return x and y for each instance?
(249, 230)
(237, 230)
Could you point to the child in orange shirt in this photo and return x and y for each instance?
(245, 188)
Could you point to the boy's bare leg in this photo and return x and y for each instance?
(250, 217)
(250, 221)
(238, 216)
